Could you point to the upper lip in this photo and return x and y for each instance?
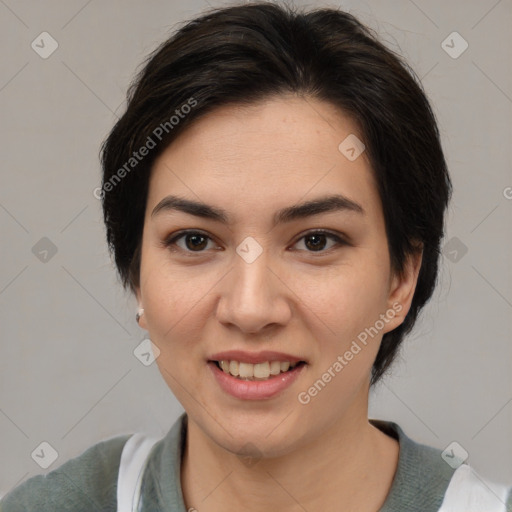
(254, 357)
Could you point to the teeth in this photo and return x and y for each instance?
(233, 368)
(246, 370)
(262, 370)
(259, 371)
(275, 368)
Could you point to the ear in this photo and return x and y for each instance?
(402, 288)
(142, 320)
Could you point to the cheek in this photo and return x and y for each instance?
(347, 299)
(175, 318)
(341, 313)
(174, 309)
(171, 294)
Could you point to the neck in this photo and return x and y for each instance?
(350, 463)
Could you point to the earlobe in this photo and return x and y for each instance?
(139, 318)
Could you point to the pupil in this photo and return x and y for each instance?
(195, 237)
(315, 245)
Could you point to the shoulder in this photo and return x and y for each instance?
(470, 491)
(431, 480)
(87, 482)
(464, 488)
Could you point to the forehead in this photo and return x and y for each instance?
(272, 153)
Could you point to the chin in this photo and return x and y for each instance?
(258, 446)
(264, 434)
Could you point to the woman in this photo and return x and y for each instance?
(274, 196)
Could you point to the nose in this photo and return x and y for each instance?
(254, 296)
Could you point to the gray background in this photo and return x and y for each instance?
(68, 373)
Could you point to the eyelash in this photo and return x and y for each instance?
(171, 240)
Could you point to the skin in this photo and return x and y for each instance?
(253, 161)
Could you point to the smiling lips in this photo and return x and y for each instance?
(254, 366)
(254, 376)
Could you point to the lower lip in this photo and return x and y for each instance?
(255, 389)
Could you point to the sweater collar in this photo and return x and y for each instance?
(419, 483)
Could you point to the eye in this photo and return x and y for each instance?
(315, 240)
(194, 241)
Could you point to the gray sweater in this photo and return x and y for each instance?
(89, 482)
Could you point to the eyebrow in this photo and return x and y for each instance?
(326, 204)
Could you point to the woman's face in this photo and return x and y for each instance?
(259, 281)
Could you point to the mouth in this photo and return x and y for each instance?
(262, 380)
(263, 371)
(260, 375)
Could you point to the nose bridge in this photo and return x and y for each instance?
(253, 296)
